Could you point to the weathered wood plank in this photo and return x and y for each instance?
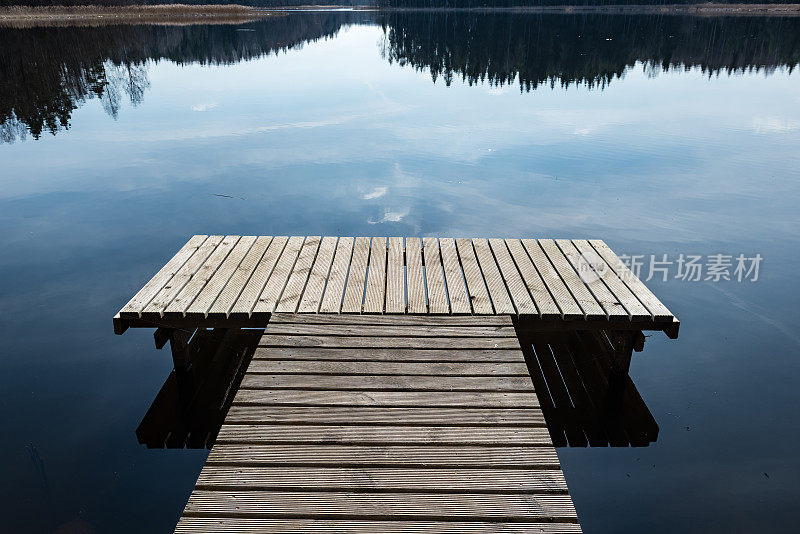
(397, 455)
(386, 354)
(491, 275)
(657, 310)
(478, 295)
(388, 382)
(280, 275)
(406, 399)
(395, 277)
(375, 295)
(399, 342)
(255, 285)
(415, 278)
(636, 310)
(334, 292)
(544, 302)
(241, 276)
(199, 279)
(461, 321)
(357, 278)
(208, 525)
(384, 478)
(312, 297)
(388, 368)
(371, 415)
(613, 308)
(591, 309)
(290, 298)
(434, 277)
(383, 505)
(219, 280)
(555, 285)
(175, 284)
(143, 297)
(456, 287)
(516, 286)
(388, 331)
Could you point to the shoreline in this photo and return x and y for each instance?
(165, 14)
(28, 16)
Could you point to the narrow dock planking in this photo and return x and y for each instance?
(407, 438)
(237, 282)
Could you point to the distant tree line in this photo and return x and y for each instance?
(592, 50)
(46, 73)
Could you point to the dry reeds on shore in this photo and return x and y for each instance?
(87, 15)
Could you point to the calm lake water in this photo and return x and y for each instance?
(660, 135)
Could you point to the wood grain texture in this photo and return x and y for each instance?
(334, 292)
(235, 282)
(410, 436)
(375, 295)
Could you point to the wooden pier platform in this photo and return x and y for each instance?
(362, 424)
(390, 391)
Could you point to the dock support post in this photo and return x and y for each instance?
(624, 344)
(178, 342)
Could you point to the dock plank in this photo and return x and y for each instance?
(143, 297)
(248, 298)
(516, 286)
(657, 310)
(456, 286)
(290, 298)
(280, 275)
(241, 276)
(494, 280)
(555, 284)
(375, 296)
(174, 286)
(415, 279)
(312, 297)
(545, 305)
(206, 525)
(591, 308)
(199, 279)
(395, 277)
(334, 292)
(434, 277)
(357, 278)
(478, 295)
(208, 295)
(613, 308)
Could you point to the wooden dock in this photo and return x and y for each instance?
(239, 281)
(390, 391)
(360, 424)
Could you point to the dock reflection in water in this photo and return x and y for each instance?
(191, 405)
(582, 401)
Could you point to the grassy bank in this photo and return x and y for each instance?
(24, 16)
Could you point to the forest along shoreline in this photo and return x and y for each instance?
(30, 16)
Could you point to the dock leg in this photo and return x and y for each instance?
(178, 342)
(624, 344)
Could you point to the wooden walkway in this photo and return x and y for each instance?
(239, 281)
(383, 424)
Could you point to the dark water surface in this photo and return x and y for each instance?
(660, 135)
